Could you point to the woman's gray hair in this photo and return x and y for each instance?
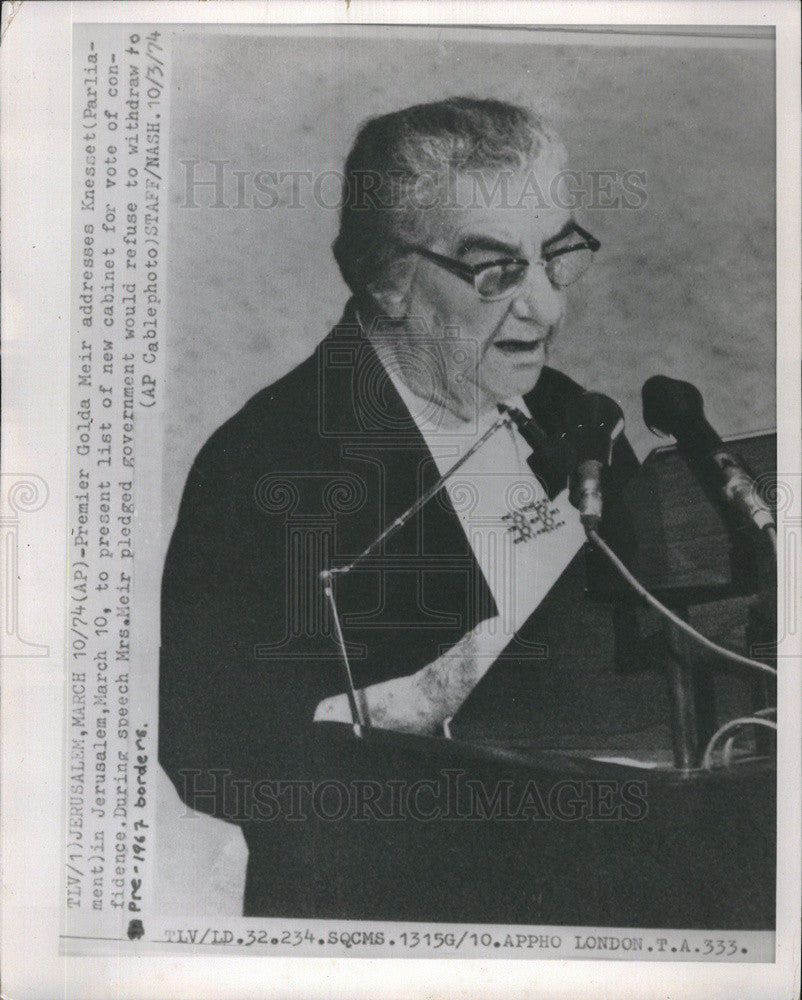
(401, 165)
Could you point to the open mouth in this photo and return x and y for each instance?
(512, 346)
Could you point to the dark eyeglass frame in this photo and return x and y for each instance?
(470, 272)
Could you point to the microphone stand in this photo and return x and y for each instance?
(360, 715)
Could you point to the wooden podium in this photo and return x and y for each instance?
(527, 838)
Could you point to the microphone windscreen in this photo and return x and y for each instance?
(594, 421)
(671, 406)
(669, 403)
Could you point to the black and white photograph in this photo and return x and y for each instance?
(430, 503)
(393, 654)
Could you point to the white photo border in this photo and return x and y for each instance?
(36, 112)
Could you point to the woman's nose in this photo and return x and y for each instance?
(538, 299)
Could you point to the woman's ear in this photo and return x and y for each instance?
(391, 291)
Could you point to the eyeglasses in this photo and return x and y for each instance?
(564, 263)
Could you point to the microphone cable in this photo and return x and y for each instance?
(753, 720)
(638, 587)
(727, 752)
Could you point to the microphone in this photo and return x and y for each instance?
(594, 422)
(671, 406)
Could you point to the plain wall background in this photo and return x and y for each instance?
(684, 286)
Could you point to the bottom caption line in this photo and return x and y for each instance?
(495, 942)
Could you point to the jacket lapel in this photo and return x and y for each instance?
(429, 572)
